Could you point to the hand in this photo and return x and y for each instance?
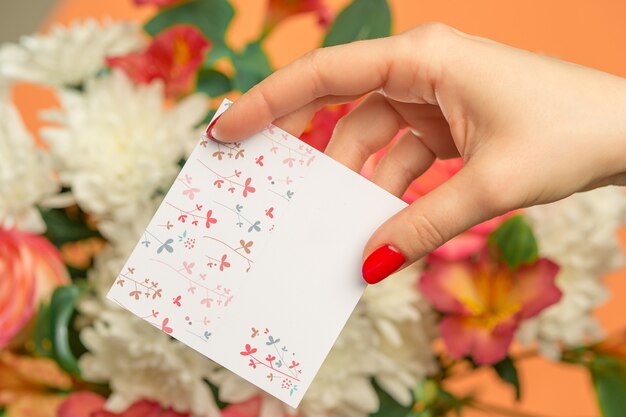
(530, 129)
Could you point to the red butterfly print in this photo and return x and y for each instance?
(223, 263)
(248, 188)
(210, 220)
(249, 350)
(164, 326)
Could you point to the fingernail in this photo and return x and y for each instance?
(210, 130)
(381, 263)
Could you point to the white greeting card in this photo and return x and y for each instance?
(254, 257)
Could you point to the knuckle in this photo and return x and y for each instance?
(427, 234)
(431, 32)
(312, 60)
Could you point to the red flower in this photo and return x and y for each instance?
(174, 57)
(319, 131)
(484, 302)
(31, 269)
(278, 10)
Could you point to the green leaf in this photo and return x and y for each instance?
(388, 406)
(213, 83)
(252, 66)
(212, 17)
(609, 380)
(363, 19)
(61, 310)
(507, 371)
(516, 241)
(42, 334)
(63, 227)
(218, 50)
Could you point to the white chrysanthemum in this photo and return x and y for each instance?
(117, 146)
(67, 55)
(139, 361)
(26, 175)
(388, 337)
(578, 233)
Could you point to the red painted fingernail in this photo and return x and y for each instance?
(381, 263)
(210, 131)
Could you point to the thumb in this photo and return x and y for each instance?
(456, 205)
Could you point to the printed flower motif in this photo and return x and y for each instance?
(249, 350)
(248, 188)
(318, 132)
(89, 404)
(278, 10)
(484, 302)
(31, 268)
(209, 219)
(174, 57)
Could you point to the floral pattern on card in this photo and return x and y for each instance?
(267, 353)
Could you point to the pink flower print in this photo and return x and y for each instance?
(164, 326)
(207, 302)
(223, 263)
(249, 350)
(248, 188)
(191, 192)
(289, 161)
(218, 183)
(188, 267)
(252, 364)
(270, 212)
(182, 218)
(237, 173)
(293, 364)
(259, 160)
(176, 301)
(218, 155)
(135, 294)
(210, 220)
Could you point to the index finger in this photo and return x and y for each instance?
(351, 69)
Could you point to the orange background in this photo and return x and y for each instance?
(589, 33)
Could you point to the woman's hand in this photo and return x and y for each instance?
(529, 128)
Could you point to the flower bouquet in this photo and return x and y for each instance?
(76, 194)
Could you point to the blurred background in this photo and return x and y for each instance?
(584, 32)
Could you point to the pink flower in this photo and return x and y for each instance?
(278, 10)
(88, 404)
(174, 57)
(484, 302)
(30, 269)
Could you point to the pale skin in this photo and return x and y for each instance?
(530, 129)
